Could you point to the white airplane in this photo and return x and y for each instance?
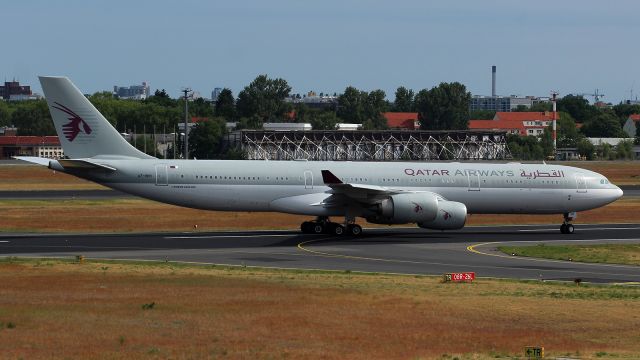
(433, 195)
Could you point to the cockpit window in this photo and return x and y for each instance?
(604, 181)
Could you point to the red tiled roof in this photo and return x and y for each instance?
(497, 125)
(524, 116)
(635, 117)
(197, 119)
(405, 120)
(29, 140)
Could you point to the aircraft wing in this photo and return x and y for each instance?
(360, 192)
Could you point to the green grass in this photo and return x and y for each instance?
(628, 254)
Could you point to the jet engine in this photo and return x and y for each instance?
(452, 215)
(406, 208)
(428, 210)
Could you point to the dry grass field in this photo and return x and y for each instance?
(35, 177)
(56, 310)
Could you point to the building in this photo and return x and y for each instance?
(502, 103)
(513, 127)
(530, 123)
(315, 101)
(41, 146)
(215, 93)
(135, 92)
(13, 91)
(402, 120)
(286, 126)
(631, 125)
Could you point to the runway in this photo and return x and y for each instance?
(392, 250)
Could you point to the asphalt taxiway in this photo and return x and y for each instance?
(391, 250)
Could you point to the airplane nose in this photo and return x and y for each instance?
(617, 193)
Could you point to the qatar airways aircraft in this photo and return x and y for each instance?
(433, 195)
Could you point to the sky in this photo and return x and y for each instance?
(571, 46)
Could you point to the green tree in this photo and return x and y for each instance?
(146, 144)
(568, 134)
(529, 147)
(161, 97)
(225, 105)
(578, 107)
(374, 107)
(482, 114)
(624, 150)
(351, 105)
(33, 118)
(445, 107)
(541, 106)
(264, 97)
(603, 125)
(605, 152)
(404, 100)
(586, 148)
(624, 110)
(325, 120)
(5, 114)
(252, 122)
(205, 138)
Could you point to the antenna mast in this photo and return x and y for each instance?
(554, 94)
(186, 92)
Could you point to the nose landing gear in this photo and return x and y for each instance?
(567, 227)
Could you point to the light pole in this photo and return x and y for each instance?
(186, 91)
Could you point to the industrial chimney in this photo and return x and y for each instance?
(493, 81)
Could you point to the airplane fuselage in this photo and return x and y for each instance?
(243, 185)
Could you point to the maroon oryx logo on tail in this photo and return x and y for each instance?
(72, 128)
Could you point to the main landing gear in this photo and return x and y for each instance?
(322, 225)
(567, 227)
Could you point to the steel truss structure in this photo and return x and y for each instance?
(377, 145)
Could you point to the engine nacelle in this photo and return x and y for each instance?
(451, 215)
(406, 208)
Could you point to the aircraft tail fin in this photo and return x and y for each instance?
(83, 131)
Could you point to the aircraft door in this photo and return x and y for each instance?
(474, 180)
(581, 184)
(308, 179)
(161, 175)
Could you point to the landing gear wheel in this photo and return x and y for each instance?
(338, 230)
(306, 227)
(569, 229)
(354, 229)
(318, 228)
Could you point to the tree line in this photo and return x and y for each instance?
(442, 107)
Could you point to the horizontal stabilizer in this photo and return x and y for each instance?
(34, 160)
(84, 164)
